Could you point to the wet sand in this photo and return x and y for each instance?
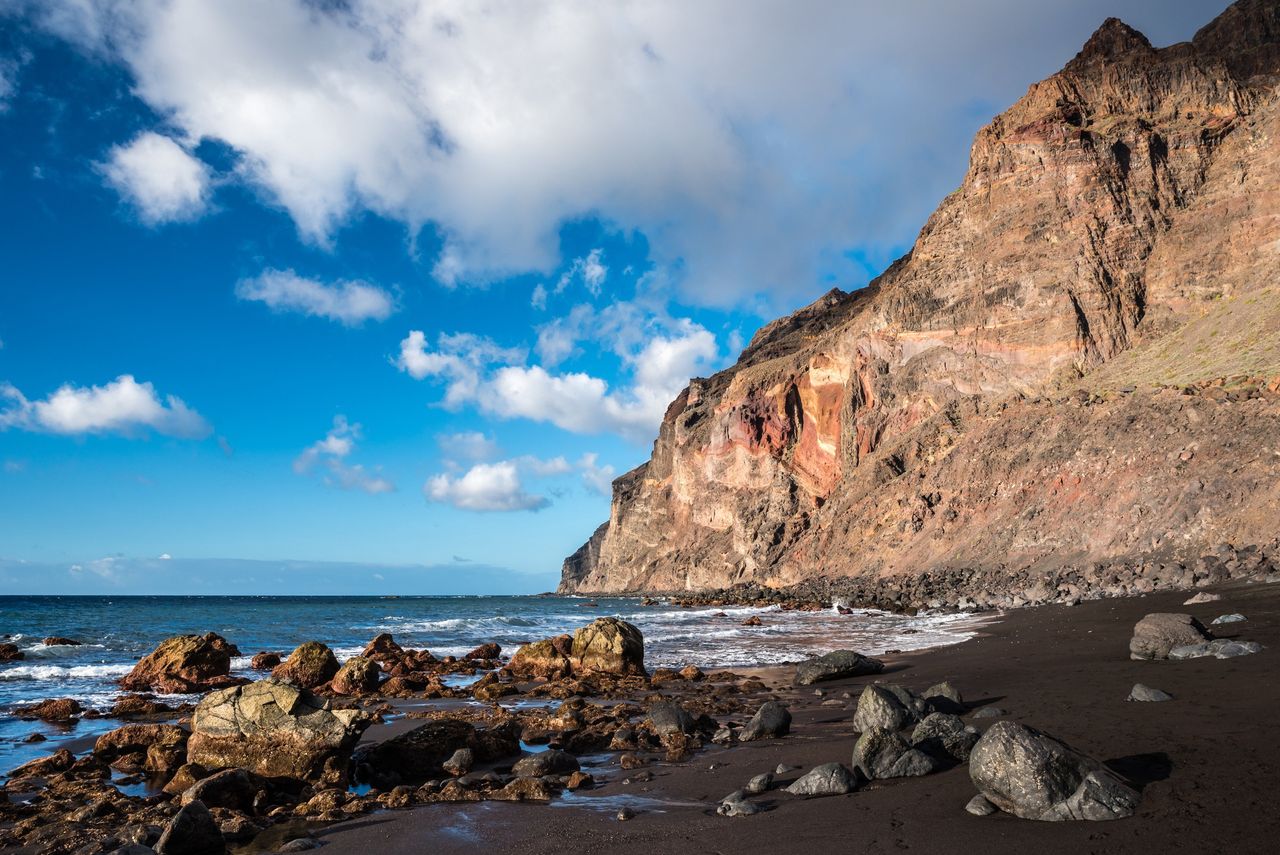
(1207, 761)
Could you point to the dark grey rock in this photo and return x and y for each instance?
(770, 721)
(550, 762)
(980, 805)
(945, 737)
(1156, 634)
(1034, 776)
(191, 831)
(668, 717)
(1140, 692)
(300, 844)
(876, 752)
(1235, 617)
(625, 814)
(879, 707)
(461, 762)
(736, 804)
(758, 784)
(829, 779)
(914, 764)
(783, 768)
(990, 712)
(836, 665)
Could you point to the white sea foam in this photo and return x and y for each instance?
(60, 672)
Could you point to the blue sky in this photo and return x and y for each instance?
(407, 284)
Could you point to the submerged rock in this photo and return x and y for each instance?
(836, 665)
(275, 729)
(1034, 776)
(1156, 634)
(184, 664)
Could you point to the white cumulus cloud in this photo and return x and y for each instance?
(485, 487)
(330, 455)
(349, 303)
(122, 406)
(160, 178)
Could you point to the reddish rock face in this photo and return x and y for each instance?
(995, 397)
(183, 664)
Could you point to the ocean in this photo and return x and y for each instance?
(116, 631)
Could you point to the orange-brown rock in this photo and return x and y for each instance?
(183, 664)
(54, 709)
(1009, 395)
(312, 664)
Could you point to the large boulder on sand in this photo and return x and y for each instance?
(770, 721)
(184, 664)
(1034, 776)
(191, 831)
(880, 707)
(836, 665)
(356, 676)
(276, 730)
(311, 664)
(1156, 634)
(610, 645)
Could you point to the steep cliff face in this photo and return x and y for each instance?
(999, 396)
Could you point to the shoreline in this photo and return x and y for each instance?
(1204, 761)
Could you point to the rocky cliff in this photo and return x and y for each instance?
(1078, 361)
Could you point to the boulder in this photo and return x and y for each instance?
(460, 762)
(60, 641)
(610, 645)
(131, 705)
(1202, 597)
(1034, 776)
(233, 789)
(878, 707)
(11, 652)
(1235, 617)
(836, 665)
(384, 650)
(526, 789)
(770, 721)
(549, 762)
(758, 784)
(944, 697)
(876, 752)
(184, 778)
(548, 658)
(1156, 634)
(312, 664)
(191, 831)
(489, 650)
(1219, 649)
(356, 677)
(1140, 692)
(54, 709)
(58, 761)
(275, 729)
(668, 717)
(945, 737)
(266, 660)
(829, 779)
(149, 747)
(420, 754)
(184, 664)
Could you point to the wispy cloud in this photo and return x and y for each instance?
(330, 456)
(348, 303)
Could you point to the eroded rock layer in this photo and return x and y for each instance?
(1079, 359)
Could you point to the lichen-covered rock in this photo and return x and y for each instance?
(1034, 776)
(836, 665)
(610, 645)
(312, 664)
(1156, 634)
(356, 677)
(184, 664)
(275, 729)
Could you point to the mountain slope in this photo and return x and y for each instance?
(1078, 361)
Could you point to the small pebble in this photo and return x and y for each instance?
(783, 769)
(625, 814)
(980, 805)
